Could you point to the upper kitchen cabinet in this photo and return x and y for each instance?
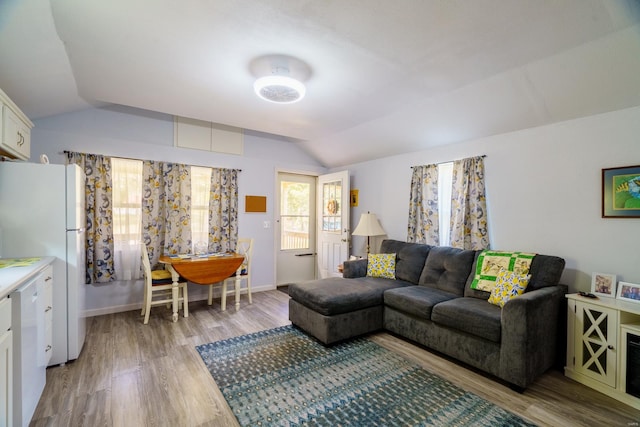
(15, 130)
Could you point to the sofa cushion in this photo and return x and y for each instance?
(381, 265)
(416, 300)
(410, 258)
(336, 295)
(509, 284)
(545, 270)
(471, 315)
(447, 269)
(488, 264)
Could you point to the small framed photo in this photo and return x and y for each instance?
(603, 284)
(629, 292)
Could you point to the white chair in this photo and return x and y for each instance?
(158, 286)
(244, 247)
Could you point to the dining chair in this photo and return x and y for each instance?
(245, 248)
(158, 286)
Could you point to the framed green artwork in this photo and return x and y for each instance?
(621, 192)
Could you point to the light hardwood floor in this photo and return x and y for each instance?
(130, 374)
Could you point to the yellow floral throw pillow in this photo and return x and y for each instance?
(509, 284)
(381, 265)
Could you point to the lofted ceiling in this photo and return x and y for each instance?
(385, 77)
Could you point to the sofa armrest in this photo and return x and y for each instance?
(355, 268)
(530, 326)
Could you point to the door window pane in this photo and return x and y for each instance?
(294, 215)
(331, 209)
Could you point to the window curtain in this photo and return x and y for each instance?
(223, 210)
(423, 206)
(469, 229)
(127, 194)
(166, 209)
(177, 191)
(153, 210)
(98, 204)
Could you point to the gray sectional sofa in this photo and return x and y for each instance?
(432, 303)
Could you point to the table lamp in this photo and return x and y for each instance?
(368, 226)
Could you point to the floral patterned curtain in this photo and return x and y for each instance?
(469, 228)
(99, 203)
(177, 189)
(153, 210)
(423, 206)
(223, 210)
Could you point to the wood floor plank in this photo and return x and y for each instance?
(131, 374)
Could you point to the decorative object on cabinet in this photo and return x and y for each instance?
(15, 130)
(629, 292)
(621, 192)
(596, 348)
(603, 284)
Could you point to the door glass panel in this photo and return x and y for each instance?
(331, 209)
(294, 215)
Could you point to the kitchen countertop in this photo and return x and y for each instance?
(12, 277)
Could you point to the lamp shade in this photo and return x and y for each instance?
(368, 226)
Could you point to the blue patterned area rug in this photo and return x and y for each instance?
(283, 377)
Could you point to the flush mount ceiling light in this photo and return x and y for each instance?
(279, 89)
(279, 78)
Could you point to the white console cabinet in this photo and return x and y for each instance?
(15, 130)
(596, 338)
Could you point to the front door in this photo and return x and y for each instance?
(296, 217)
(333, 222)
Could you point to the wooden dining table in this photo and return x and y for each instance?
(203, 270)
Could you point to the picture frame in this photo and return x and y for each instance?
(621, 192)
(628, 292)
(603, 284)
(353, 196)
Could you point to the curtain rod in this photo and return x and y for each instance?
(142, 160)
(450, 161)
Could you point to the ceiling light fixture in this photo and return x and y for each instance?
(279, 89)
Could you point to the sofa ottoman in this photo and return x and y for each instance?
(333, 310)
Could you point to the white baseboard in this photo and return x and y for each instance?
(193, 296)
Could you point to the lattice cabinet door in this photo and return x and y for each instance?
(595, 342)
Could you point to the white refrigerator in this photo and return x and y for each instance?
(42, 213)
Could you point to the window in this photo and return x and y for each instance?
(294, 215)
(127, 213)
(445, 178)
(331, 209)
(200, 192)
(126, 178)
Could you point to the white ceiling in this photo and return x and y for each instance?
(387, 77)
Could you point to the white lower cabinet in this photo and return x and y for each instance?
(596, 356)
(47, 308)
(6, 364)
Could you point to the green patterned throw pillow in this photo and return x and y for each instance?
(489, 265)
(382, 265)
(509, 284)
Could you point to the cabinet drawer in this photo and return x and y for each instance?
(5, 315)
